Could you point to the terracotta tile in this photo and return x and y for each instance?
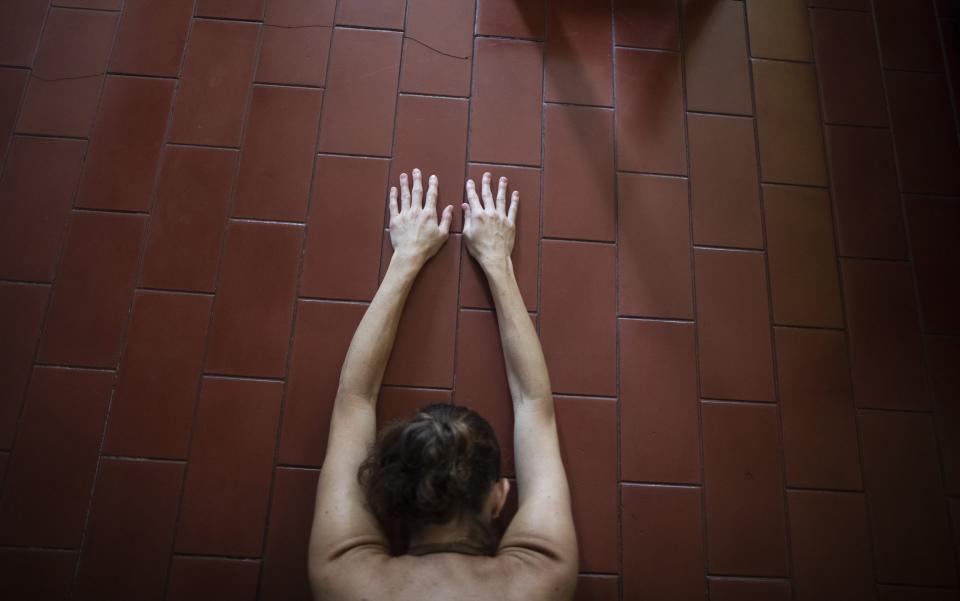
(426, 337)
(715, 57)
(252, 313)
(830, 546)
(908, 34)
(36, 193)
(12, 84)
(213, 88)
(506, 102)
(385, 14)
(227, 487)
(578, 64)
(152, 408)
(866, 195)
(151, 38)
(649, 112)
(130, 535)
(779, 29)
(51, 470)
(320, 343)
(933, 226)
(21, 314)
(125, 144)
(20, 27)
(276, 163)
(512, 18)
(88, 310)
(914, 593)
(482, 378)
(296, 42)
(748, 589)
(213, 579)
(816, 403)
(663, 556)
(848, 67)
(743, 484)
(804, 283)
(886, 350)
(943, 354)
(597, 587)
(647, 24)
(431, 136)
(233, 9)
(396, 404)
(579, 196)
(438, 47)
(578, 317)
(927, 152)
(908, 510)
(188, 219)
(725, 191)
(474, 291)
(37, 574)
(587, 429)
(360, 95)
(736, 361)
(658, 393)
(788, 123)
(340, 183)
(284, 573)
(74, 43)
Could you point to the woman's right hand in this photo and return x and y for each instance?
(490, 228)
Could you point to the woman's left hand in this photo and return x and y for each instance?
(414, 231)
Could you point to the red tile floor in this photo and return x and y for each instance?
(735, 239)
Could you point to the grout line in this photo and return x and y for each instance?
(584, 105)
(48, 136)
(203, 146)
(651, 484)
(896, 410)
(654, 173)
(576, 240)
(656, 319)
(143, 459)
(216, 376)
(953, 87)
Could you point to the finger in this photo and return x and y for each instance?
(487, 196)
(502, 196)
(466, 216)
(404, 192)
(417, 200)
(514, 204)
(431, 204)
(446, 219)
(472, 197)
(393, 202)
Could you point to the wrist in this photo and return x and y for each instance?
(496, 268)
(407, 261)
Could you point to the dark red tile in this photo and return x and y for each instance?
(213, 579)
(663, 556)
(914, 593)
(715, 57)
(788, 123)
(37, 574)
(20, 26)
(658, 394)
(227, 487)
(360, 101)
(654, 251)
(908, 34)
(951, 51)
(724, 183)
(323, 334)
(736, 361)
(432, 136)
(830, 546)
(327, 272)
(588, 434)
(125, 144)
(506, 102)
(927, 151)
(217, 72)
(130, 535)
(597, 587)
(908, 511)
(152, 408)
(12, 84)
(474, 290)
(649, 112)
(284, 574)
(276, 162)
(21, 314)
(748, 589)
(397, 404)
(578, 324)
(51, 470)
(438, 47)
(188, 219)
(36, 193)
(88, 310)
(578, 65)
(743, 484)
(385, 14)
(75, 43)
(252, 313)
(152, 37)
(934, 223)
(816, 403)
(232, 9)
(296, 42)
(943, 355)
(512, 18)
(779, 29)
(579, 195)
(886, 349)
(647, 24)
(866, 194)
(848, 67)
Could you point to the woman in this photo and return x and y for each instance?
(437, 474)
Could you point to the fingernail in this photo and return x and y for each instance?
(416, 172)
